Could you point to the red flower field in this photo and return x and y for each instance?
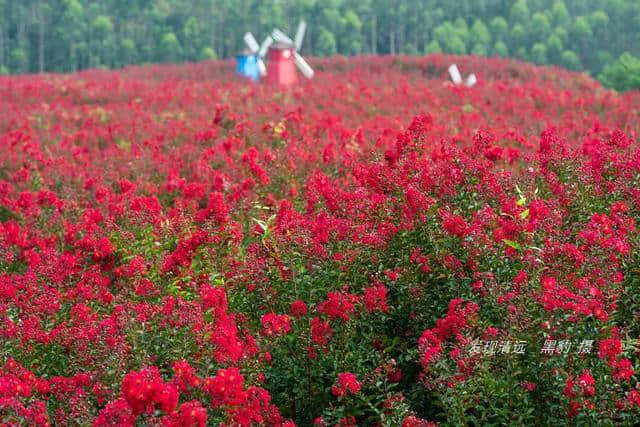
(372, 247)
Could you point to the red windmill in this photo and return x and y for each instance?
(281, 69)
(284, 58)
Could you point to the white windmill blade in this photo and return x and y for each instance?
(251, 42)
(471, 80)
(265, 46)
(454, 73)
(261, 67)
(303, 65)
(281, 37)
(302, 27)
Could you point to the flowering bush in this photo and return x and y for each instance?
(374, 247)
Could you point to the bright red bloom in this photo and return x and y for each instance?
(320, 331)
(375, 298)
(455, 225)
(275, 324)
(587, 383)
(298, 308)
(190, 414)
(623, 370)
(338, 305)
(226, 388)
(144, 391)
(347, 383)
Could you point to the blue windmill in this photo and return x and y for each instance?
(249, 62)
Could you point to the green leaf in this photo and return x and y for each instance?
(514, 245)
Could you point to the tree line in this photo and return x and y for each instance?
(68, 35)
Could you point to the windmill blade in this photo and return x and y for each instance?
(265, 46)
(281, 37)
(454, 73)
(251, 42)
(471, 80)
(303, 65)
(261, 67)
(302, 27)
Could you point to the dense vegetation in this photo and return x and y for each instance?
(67, 35)
(623, 74)
(369, 248)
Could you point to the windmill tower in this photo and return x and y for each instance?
(284, 58)
(249, 62)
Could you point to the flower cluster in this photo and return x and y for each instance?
(181, 248)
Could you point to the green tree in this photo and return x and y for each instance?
(521, 53)
(207, 53)
(102, 41)
(518, 34)
(326, 43)
(562, 34)
(603, 58)
(554, 47)
(560, 14)
(18, 60)
(519, 12)
(451, 37)
(539, 53)
(193, 38)
(623, 74)
(570, 60)
(599, 19)
(352, 33)
(479, 49)
(480, 34)
(456, 46)
(500, 49)
(540, 26)
(170, 48)
(582, 29)
(433, 47)
(499, 28)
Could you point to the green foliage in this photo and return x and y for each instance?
(540, 26)
(102, 25)
(18, 60)
(479, 49)
(554, 45)
(518, 34)
(499, 27)
(500, 49)
(560, 14)
(623, 74)
(326, 44)
(480, 33)
(433, 47)
(207, 53)
(170, 48)
(539, 53)
(582, 28)
(571, 60)
(599, 19)
(519, 12)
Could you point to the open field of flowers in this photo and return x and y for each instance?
(374, 247)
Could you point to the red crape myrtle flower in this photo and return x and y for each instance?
(298, 308)
(144, 391)
(347, 383)
(275, 324)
